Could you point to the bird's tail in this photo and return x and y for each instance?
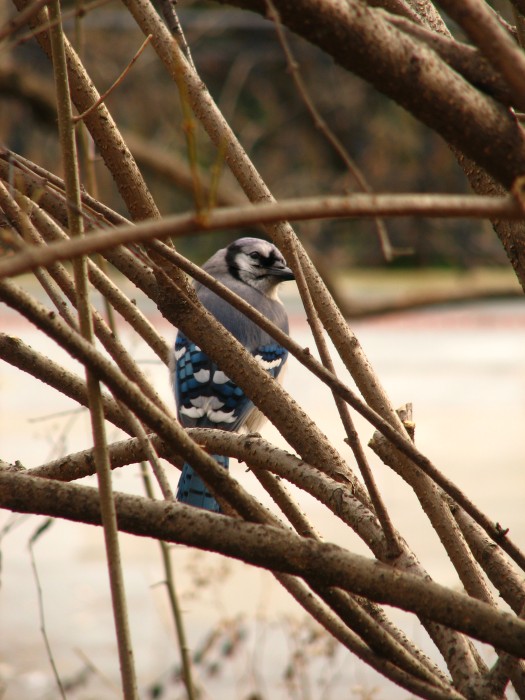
(193, 491)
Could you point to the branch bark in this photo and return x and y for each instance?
(100, 124)
(361, 40)
(272, 548)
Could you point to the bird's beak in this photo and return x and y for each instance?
(283, 273)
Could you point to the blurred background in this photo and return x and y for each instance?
(242, 63)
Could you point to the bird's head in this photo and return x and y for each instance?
(257, 263)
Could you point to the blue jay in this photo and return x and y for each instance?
(206, 397)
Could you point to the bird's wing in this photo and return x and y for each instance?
(206, 396)
(271, 357)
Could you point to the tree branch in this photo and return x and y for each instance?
(272, 548)
(362, 40)
(349, 206)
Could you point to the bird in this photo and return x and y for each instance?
(205, 396)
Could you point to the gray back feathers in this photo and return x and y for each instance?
(252, 268)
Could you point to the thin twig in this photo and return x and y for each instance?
(349, 206)
(41, 612)
(108, 512)
(189, 125)
(345, 416)
(320, 123)
(46, 26)
(175, 27)
(285, 502)
(117, 82)
(519, 18)
(14, 23)
(173, 600)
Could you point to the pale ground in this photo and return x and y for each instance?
(464, 370)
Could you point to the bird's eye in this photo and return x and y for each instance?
(255, 256)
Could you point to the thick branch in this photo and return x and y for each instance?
(362, 40)
(480, 23)
(272, 548)
(463, 58)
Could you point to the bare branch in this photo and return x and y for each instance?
(354, 205)
(479, 22)
(362, 40)
(103, 129)
(116, 83)
(271, 547)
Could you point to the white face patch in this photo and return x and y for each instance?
(180, 353)
(253, 271)
(219, 377)
(268, 365)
